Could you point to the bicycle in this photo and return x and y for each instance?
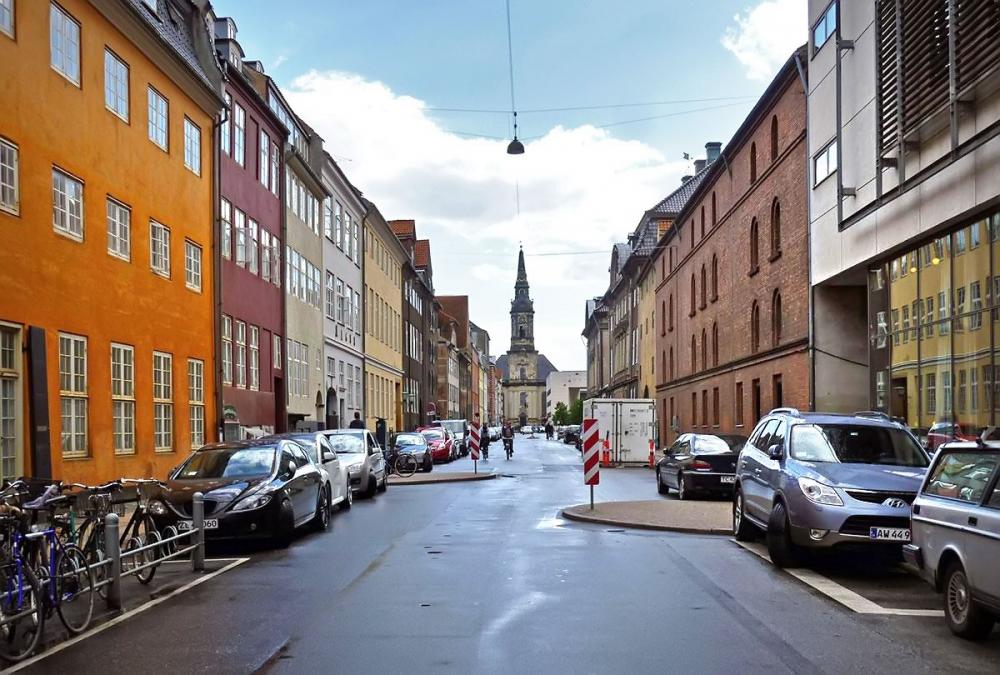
(22, 616)
(95, 502)
(141, 531)
(402, 464)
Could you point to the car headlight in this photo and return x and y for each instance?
(157, 508)
(253, 502)
(818, 493)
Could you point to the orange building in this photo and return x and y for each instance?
(107, 255)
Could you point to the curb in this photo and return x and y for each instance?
(430, 481)
(569, 514)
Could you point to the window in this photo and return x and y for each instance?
(330, 296)
(774, 137)
(73, 394)
(264, 161)
(754, 328)
(67, 205)
(694, 354)
(715, 344)
(671, 362)
(159, 248)
(754, 259)
(7, 27)
(265, 255)
(753, 163)
(825, 162)
(775, 228)
(123, 398)
(239, 134)
(276, 356)
(704, 349)
(240, 229)
(227, 350)
(704, 407)
(64, 43)
(226, 129)
(704, 289)
(663, 317)
(715, 277)
(192, 266)
(115, 85)
(254, 358)
(338, 221)
(275, 168)
(226, 216)
(693, 292)
(670, 312)
(341, 302)
(192, 146)
(354, 238)
(930, 392)
(158, 112)
(703, 221)
(253, 234)
(975, 293)
(119, 229)
(241, 355)
(715, 217)
(739, 404)
(196, 401)
(9, 177)
(163, 404)
(694, 408)
(775, 318)
(825, 27)
(715, 406)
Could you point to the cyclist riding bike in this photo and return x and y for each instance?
(507, 434)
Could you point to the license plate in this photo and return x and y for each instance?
(727, 479)
(889, 533)
(185, 525)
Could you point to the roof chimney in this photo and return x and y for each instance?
(699, 164)
(712, 151)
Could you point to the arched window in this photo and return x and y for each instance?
(704, 288)
(522, 375)
(694, 354)
(776, 318)
(715, 344)
(663, 268)
(703, 221)
(715, 215)
(753, 163)
(704, 349)
(774, 137)
(692, 234)
(663, 362)
(775, 228)
(693, 290)
(663, 317)
(753, 246)
(715, 277)
(520, 331)
(754, 328)
(671, 362)
(670, 313)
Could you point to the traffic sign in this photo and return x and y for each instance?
(591, 453)
(474, 442)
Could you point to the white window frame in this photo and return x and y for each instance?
(116, 85)
(159, 248)
(67, 206)
(239, 134)
(828, 17)
(240, 355)
(7, 21)
(123, 398)
(73, 394)
(163, 402)
(196, 402)
(64, 43)
(276, 355)
(254, 348)
(226, 129)
(275, 168)
(338, 227)
(265, 254)
(226, 216)
(11, 417)
(10, 198)
(340, 301)
(227, 350)
(264, 159)
(824, 163)
(192, 146)
(252, 249)
(330, 297)
(119, 217)
(192, 265)
(157, 118)
(240, 230)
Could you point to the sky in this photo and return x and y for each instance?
(381, 80)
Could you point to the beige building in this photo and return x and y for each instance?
(383, 275)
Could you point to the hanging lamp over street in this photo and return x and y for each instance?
(515, 147)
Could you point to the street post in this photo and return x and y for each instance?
(591, 456)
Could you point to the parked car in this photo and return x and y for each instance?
(527, 430)
(316, 445)
(571, 434)
(494, 433)
(942, 432)
(459, 429)
(442, 446)
(362, 457)
(699, 463)
(956, 535)
(262, 488)
(819, 480)
(416, 444)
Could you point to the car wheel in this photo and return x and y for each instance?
(372, 487)
(321, 520)
(285, 526)
(783, 552)
(743, 529)
(428, 464)
(682, 491)
(348, 498)
(965, 617)
(660, 487)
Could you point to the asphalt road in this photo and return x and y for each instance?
(485, 578)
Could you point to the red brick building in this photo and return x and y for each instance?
(732, 299)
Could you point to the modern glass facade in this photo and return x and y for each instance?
(934, 320)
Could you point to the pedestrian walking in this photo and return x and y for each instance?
(356, 423)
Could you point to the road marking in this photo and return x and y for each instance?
(236, 562)
(853, 601)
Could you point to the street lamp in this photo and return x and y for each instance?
(515, 147)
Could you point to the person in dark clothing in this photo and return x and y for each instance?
(356, 423)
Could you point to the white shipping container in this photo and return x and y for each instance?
(628, 424)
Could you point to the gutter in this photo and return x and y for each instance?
(810, 302)
(217, 123)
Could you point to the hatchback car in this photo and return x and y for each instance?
(956, 535)
(363, 458)
(942, 432)
(699, 463)
(316, 445)
(442, 446)
(571, 434)
(252, 489)
(418, 446)
(819, 480)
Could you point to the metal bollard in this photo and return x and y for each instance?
(198, 525)
(112, 549)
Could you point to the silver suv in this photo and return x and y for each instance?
(956, 535)
(819, 480)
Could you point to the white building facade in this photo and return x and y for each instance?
(563, 386)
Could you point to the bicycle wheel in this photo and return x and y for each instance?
(130, 560)
(21, 613)
(74, 589)
(406, 465)
(150, 555)
(169, 547)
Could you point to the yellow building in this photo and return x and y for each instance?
(107, 294)
(646, 319)
(383, 273)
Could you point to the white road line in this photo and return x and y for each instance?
(853, 601)
(128, 615)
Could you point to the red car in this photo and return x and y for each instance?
(440, 442)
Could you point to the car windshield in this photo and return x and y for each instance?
(404, 440)
(433, 435)
(718, 445)
(351, 444)
(308, 446)
(229, 463)
(855, 444)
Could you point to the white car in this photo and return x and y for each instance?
(361, 457)
(322, 454)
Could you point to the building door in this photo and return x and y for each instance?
(11, 421)
(755, 400)
(332, 419)
(898, 404)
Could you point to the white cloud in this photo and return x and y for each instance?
(282, 58)
(580, 189)
(765, 35)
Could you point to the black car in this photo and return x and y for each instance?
(253, 489)
(571, 435)
(699, 463)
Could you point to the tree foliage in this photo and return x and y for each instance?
(576, 412)
(561, 414)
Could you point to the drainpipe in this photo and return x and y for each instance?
(217, 266)
(364, 327)
(810, 301)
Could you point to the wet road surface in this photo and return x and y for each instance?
(485, 578)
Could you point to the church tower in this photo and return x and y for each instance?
(522, 312)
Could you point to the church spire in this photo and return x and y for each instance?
(522, 275)
(522, 311)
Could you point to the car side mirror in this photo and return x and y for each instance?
(774, 451)
(287, 472)
(329, 456)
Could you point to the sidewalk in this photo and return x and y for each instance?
(441, 477)
(701, 517)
